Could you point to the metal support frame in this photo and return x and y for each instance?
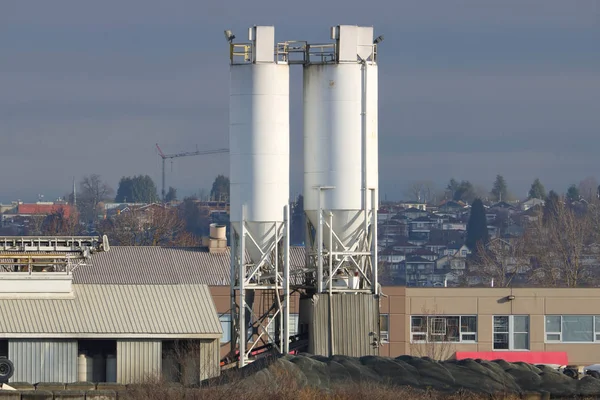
(268, 275)
(324, 262)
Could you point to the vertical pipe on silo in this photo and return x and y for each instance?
(374, 257)
(243, 329)
(286, 281)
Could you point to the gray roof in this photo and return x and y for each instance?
(115, 311)
(151, 265)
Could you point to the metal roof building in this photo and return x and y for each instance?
(121, 311)
(151, 265)
(78, 315)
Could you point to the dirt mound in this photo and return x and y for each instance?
(478, 376)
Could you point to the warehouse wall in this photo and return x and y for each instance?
(138, 360)
(47, 360)
(356, 323)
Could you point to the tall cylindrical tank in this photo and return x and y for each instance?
(111, 368)
(259, 139)
(99, 368)
(84, 368)
(336, 153)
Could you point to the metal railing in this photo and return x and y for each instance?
(240, 53)
(50, 243)
(293, 52)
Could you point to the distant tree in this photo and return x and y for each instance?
(588, 188)
(136, 189)
(464, 191)
(573, 194)
(551, 207)
(421, 191)
(92, 191)
(171, 194)
(560, 245)
(154, 226)
(500, 261)
(220, 188)
(477, 232)
(452, 187)
(537, 190)
(499, 190)
(197, 221)
(58, 223)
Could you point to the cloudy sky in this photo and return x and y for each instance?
(468, 89)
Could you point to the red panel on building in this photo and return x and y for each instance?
(531, 357)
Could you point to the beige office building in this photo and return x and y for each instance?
(438, 322)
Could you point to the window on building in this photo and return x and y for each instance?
(293, 328)
(511, 332)
(573, 328)
(384, 328)
(226, 327)
(444, 328)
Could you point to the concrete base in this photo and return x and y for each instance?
(355, 324)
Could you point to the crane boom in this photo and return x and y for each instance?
(183, 154)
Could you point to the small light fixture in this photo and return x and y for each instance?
(510, 297)
(229, 35)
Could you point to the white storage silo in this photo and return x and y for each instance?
(259, 141)
(259, 174)
(340, 154)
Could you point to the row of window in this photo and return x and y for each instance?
(510, 332)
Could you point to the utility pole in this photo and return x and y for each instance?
(184, 154)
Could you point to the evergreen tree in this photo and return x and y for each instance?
(477, 232)
(171, 194)
(537, 190)
(220, 189)
(136, 189)
(499, 190)
(573, 194)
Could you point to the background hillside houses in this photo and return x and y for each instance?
(424, 246)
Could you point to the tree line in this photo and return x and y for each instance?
(426, 192)
(559, 246)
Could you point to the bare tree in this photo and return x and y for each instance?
(559, 247)
(588, 189)
(92, 191)
(421, 191)
(425, 340)
(59, 223)
(152, 226)
(500, 262)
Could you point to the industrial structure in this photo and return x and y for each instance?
(259, 191)
(177, 155)
(340, 190)
(56, 330)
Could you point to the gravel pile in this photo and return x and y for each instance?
(479, 376)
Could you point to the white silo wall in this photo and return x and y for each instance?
(259, 148)
(333, 143)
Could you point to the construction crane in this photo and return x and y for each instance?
(184, 154)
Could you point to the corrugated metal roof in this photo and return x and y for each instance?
(151, 265)
(115, 310)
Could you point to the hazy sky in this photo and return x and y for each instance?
(468, 89)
